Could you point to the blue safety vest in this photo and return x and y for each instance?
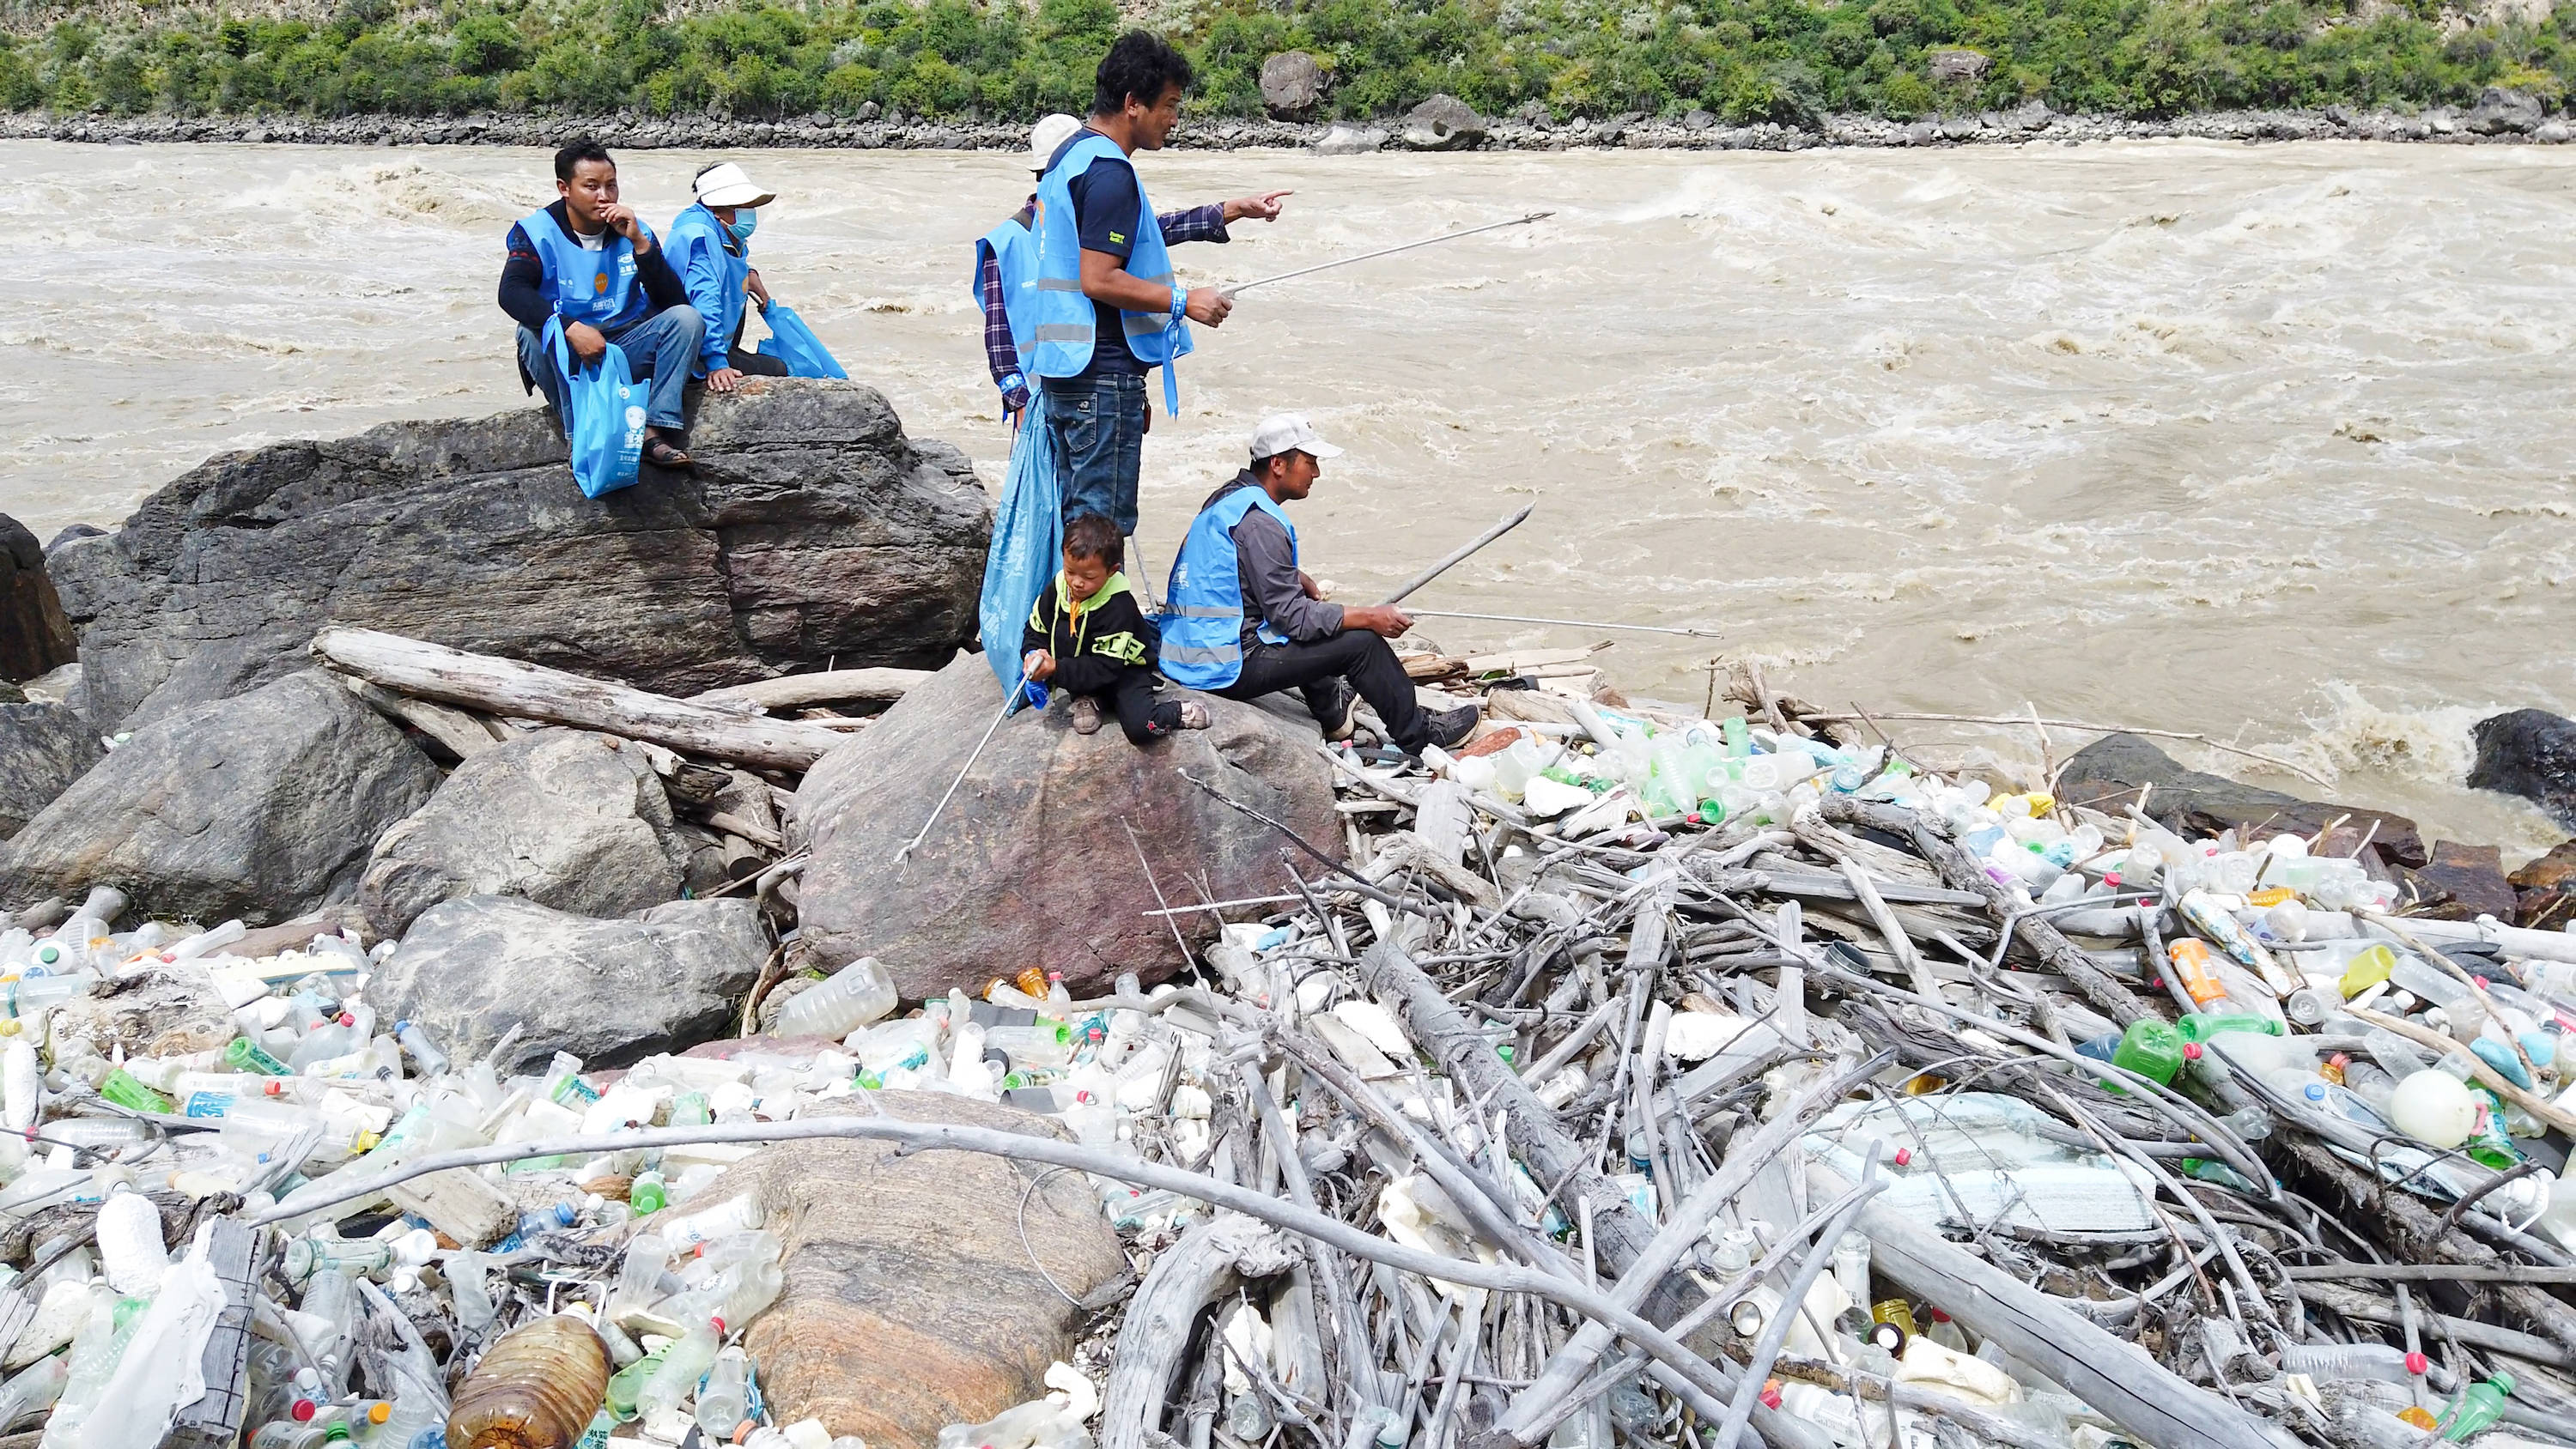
(1016, 251)
(698, 228)
(598, 287)
(1203, 611)
(1060, 323)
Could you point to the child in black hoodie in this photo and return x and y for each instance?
(1089, 637)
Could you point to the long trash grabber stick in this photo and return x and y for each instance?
(1567, 623)
(1457, 556)
(1008, 700)
(1239, 288)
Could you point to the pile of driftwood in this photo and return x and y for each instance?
(1525, 1138)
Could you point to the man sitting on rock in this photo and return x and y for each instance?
(1242, 618)
(589, 261)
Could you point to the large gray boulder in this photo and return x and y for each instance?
(261, 807)
(43, 748)
(811, 531)
(1292, 85)
(1442, 123)
(2530, 753)
(34, 635)
(1032, 864)
(565, 818)
(935, 1303)
(2499, 110)
(609, 992)
(2111, 773)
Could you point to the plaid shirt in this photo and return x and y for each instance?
(1198, 223)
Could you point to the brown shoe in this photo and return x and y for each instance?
(1086, 715)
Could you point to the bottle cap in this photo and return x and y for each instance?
(1770, 1393)
(2417, 1364)
(379, 1411)
(2191, 1051)
(718, 1325)
(302, 1413)
(1904, 1155)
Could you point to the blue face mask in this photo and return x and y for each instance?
(745, 222)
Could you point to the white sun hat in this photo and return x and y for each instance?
(1289, 433)
(1049, 133)
(724, 184)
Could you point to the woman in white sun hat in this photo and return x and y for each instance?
(710, 246)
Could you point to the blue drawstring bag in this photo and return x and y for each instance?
(1028, 539)
(794, 343)
(604, 415)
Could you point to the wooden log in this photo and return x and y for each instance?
(1207, 1264)
(2062, 955)
(2119, 1379)
(2371, 1308)
(510, 687)
(831, 686)
(453, 730)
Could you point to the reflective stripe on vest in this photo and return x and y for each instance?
(1061, 320)
(597, 287)
(1016, 252)
(698, 227)
(1203, 620)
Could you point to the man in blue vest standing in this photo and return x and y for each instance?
(588, 261)
(1104, 309)
(710, 247)
(1242, 618)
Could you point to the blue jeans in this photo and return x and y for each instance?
(663, 347)
(1098, 427)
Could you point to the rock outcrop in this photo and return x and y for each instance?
(812, 530)
(1033, 864)
(917, 1292)
(43, 749)
(608, 992)
(1442, 123)
(261, 807)
(565, 818)
(2530, 753)
(1292, 85)
(2109, 773)
(34, 635)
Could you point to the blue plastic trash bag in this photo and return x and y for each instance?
(606, 415)
(1028, 539)
(791, 341)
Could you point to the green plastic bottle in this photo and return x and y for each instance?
(244, 1055)
(2477, 1408)
(122, 1089)
(647, 1194)
(2200, 1026)
(625, 1384)
(1739, 735)
(2151, 1049)
(2491, 1145)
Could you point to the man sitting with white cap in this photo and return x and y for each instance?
(1243, 619)
(1006, 258)
(710, 245)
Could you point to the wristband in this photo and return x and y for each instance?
(1180, 303)
(1015, 383)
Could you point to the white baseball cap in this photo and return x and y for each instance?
(1289, 433)
(724, 184)
(1049, 133)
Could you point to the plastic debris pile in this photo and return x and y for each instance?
(1626, 1078)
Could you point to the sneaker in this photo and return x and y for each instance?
(1450, 727)
(1086, 715)
(1194, 715)
(1336, 718)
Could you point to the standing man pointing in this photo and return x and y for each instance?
(1103, 306)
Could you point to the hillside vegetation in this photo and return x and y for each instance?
(1745, 60)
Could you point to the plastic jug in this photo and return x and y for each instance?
(856, 995)
(724, 1400)
(2151, 1049)
(535, 1389)
(2477, 1408)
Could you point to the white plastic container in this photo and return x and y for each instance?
(860, 993)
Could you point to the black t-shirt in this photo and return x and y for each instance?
(1106, 203)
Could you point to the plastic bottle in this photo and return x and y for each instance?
(92, 1363)
(536, 1387)
(2477, 1408)
(648, 1193)
(627, 1383)
(2381, 1361)
(683, 1364)
(423, 1052)
(856, 995)
(2202, 1026)
(308, 1256)
(737, 1214)
(2151, 1049)
(331, 1302)
(639, 1277)
(724, 1401)
(33, 1388)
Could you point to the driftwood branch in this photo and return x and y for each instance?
(831, 686)
(531, 691)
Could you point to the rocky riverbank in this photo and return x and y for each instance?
(2499, 117)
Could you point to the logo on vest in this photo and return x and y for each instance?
(598, 282)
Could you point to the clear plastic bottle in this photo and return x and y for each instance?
(538, 1386)
(684, 1363)
(627, 1384)
(424, 1053)
(736, 1214)
(33, 1389)
(724, 1400)
(93, 1361)
(856, 995)
(639, 1277)
(331, 1300)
